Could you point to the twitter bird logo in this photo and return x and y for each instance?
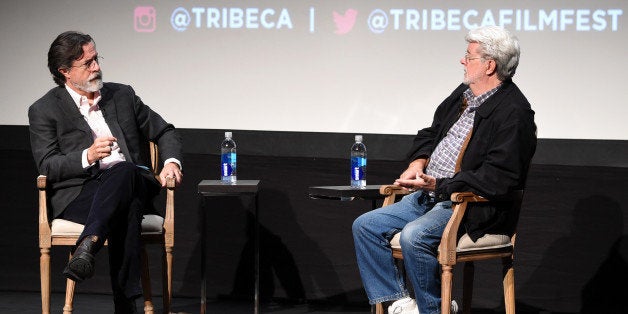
(344, 23)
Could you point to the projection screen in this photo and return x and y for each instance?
(328, 65)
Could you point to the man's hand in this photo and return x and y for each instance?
(420, 182)
(415, 167)
(414, 178)
(100, 149)
(171, 169)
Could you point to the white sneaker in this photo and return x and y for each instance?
(454, 307)
(406, 305)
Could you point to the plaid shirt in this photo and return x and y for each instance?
(443, 160)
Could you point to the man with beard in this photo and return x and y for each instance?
(481, 140)
(91, 141)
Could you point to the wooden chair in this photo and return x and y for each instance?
(155, 229)
(453, 250)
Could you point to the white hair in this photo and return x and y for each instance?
(498, 44)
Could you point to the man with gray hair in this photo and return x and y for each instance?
(481, 140)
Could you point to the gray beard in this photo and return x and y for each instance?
(91, 86)
(471, 79)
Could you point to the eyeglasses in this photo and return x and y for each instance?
(467, 58)
(89, 64)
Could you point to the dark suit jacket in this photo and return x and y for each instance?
(496, 159)
(59, 134)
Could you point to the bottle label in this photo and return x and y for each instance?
(358, 168)
(228, 161)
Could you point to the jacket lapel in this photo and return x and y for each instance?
(68, 107)
(108, 107)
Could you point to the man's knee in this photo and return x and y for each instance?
(124, 166)
(412, 235)
(362, 223)
(120, 172)
(358, 225)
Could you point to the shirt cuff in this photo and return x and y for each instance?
(176, 161)
(84, 160)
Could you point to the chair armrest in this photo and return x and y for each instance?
(513, 196)
(460, 197)
(169, 213)
(391, 192)
(449, 240)
(43, 223)
(41, 182)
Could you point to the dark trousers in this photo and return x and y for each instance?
(111, 206)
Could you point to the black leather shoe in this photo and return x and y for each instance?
(81, 265)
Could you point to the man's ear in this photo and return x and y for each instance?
(491, 67)
(65, 72)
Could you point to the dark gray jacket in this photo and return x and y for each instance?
(59, 134)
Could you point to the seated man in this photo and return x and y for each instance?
(91, 139)
(481, 140)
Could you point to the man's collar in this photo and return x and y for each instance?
(476, 101)
(76, 97)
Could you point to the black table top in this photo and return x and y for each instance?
(345, 192)
(217, 187)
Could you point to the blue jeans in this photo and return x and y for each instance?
(421, 223)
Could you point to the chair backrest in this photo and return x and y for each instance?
(517, 199)
(154, 159)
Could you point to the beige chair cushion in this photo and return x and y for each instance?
(465, 244)
(151, 224)
(488, 241)
(394, 242)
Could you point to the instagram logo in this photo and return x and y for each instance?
(344, 23)
(144, 19)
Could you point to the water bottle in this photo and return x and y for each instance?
(228, 160)
(358, 164)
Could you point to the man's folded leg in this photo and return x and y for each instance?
(81, 265)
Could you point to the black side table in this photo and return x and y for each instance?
(347, 193)
(215, 188)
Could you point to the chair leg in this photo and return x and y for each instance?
(69, 295)
(509, 285)
(467, 286)
(379, 308)
(146, 288)
(44, 271)
(167, 277)
(445, 293)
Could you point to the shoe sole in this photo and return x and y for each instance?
(80, 267)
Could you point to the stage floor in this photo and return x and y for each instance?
(30, 302)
